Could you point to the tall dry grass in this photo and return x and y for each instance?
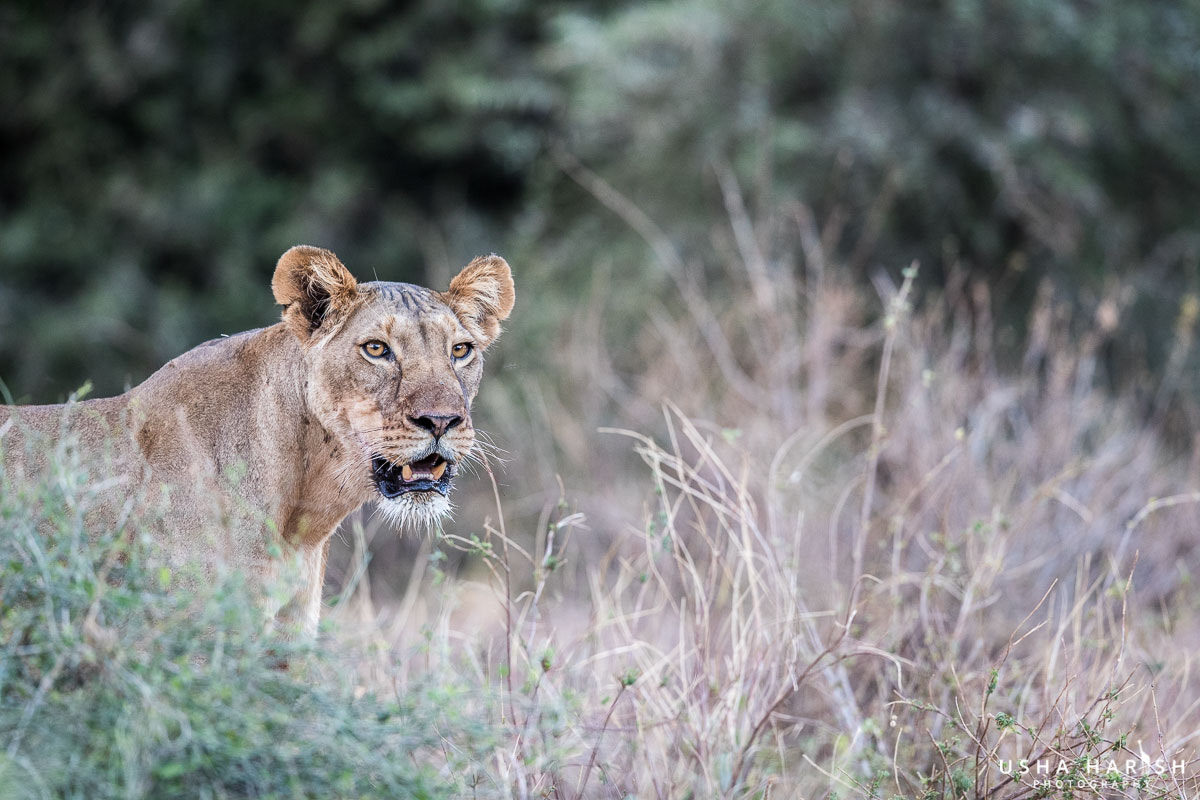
(867, 549)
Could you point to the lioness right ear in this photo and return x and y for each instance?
(312, 285)
(482, 296)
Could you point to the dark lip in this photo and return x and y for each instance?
(391, 484)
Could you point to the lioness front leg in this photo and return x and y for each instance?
(301, 615)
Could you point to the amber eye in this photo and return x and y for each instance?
(461, 350)
(375, 349)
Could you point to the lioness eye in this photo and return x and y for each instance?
(375, 349)
(461, 350)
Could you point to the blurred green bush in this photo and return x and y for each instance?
(155, 159)
(116, 682)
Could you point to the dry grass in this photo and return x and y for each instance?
(859, 557)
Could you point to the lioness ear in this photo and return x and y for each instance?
(312, 285)
(482, 295)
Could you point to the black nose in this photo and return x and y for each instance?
(437, 424)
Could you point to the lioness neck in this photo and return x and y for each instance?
(235, 411)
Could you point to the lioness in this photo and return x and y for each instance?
(273, 436)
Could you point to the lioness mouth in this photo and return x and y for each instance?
(429, 474)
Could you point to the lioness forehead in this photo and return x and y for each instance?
(396, 306)
(408, 296)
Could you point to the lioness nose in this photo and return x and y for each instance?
(437, 424)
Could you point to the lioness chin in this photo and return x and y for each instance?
(263, 442)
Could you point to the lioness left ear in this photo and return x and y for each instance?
(482, 295)
(312, 285)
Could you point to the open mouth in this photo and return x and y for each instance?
(429, 474)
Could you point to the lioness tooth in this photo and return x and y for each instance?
(406, 472)
(438, 470)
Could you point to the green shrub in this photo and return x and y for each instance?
(117, 682)
(157, 159)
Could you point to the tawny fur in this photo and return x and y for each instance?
(252, 449)
(483, 294)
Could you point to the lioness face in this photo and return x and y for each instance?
(392, 370)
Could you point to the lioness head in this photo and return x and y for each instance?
(391, 370)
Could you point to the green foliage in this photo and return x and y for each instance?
(1017, 139)
(116, 680)
(155, 160)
